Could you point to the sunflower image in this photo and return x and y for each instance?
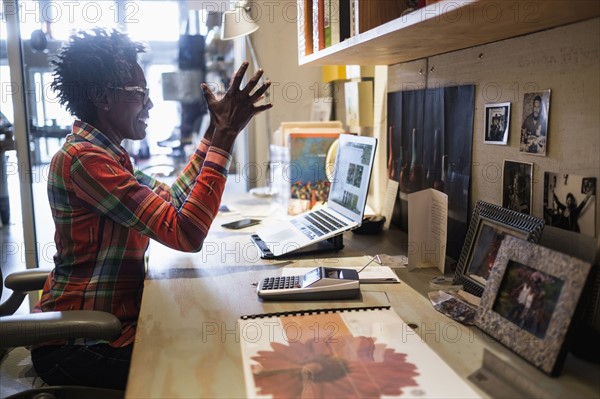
(348, 367)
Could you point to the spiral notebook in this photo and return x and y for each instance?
(342, 353)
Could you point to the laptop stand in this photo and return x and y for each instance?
(332, 244)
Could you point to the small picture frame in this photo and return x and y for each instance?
(534, 125)
(517, 189)
(588, 185)
(497, 123)
(530, 300)
(488, 226)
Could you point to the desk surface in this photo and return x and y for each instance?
(187, 343)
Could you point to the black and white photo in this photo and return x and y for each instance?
(497, 123)
(516, 186)
(569, 202)
(534, 126)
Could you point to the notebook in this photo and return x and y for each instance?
(344, 208)
(343, 353)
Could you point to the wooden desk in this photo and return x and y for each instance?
(187, 344)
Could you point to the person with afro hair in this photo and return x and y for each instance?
(105, 212)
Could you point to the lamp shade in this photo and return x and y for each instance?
(237, 23)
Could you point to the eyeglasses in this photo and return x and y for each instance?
(137, 89)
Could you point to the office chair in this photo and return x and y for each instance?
(24, 330)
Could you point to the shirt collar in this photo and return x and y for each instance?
(95, 136)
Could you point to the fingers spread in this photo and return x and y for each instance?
(253, 81)
(261, 108)
(208, 94)
(238, 77)
(260, 91)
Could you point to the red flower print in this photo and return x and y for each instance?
(347, 367)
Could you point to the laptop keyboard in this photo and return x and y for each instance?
(318, 223)
(331, 219)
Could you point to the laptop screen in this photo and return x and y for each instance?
(351, 175)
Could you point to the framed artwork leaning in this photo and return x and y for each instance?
(488, 226)
(532, 296)
(497, 123)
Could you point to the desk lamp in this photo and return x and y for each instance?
(239, 23)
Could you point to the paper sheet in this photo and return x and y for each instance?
(253, 207)
(342, 353)
(427, 229)
(390, 199)
(371, 274)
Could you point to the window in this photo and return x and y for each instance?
(152, 20)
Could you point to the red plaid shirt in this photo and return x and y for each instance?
(105, 214)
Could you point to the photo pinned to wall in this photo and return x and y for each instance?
(321, 109)
(569, 202)
(516, 186)
(497, 123)
(534, 128)
(488, 226)
(530, 300)
(358, 100)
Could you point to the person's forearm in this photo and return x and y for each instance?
(224, 138)
(210, 130)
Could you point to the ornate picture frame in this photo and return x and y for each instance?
(489, 224)
(497, 123)
(530, 300)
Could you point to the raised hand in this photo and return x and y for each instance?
(233, 112)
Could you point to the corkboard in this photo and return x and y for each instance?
(565, 60)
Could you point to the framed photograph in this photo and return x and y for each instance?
(588, 185)
(530, 300)
(534, 125)
(488, 226)
(497, 122)
(516, 186)
(569, 202)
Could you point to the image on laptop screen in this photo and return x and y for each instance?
(350, 185)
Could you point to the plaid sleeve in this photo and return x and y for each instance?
(180, 190)
(182, 187)
(108, 188)
(161, 189)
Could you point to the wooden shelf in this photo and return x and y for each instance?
(451, 25)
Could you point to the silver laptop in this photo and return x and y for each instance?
(345, 204)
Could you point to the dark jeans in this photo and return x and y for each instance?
(99, 365)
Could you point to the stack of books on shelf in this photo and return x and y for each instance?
(324, 23)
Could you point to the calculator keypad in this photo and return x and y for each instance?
(278, 283)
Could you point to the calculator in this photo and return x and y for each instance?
(321, 283)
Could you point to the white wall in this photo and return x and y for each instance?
(293, 87)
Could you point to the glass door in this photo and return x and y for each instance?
(32, 33)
